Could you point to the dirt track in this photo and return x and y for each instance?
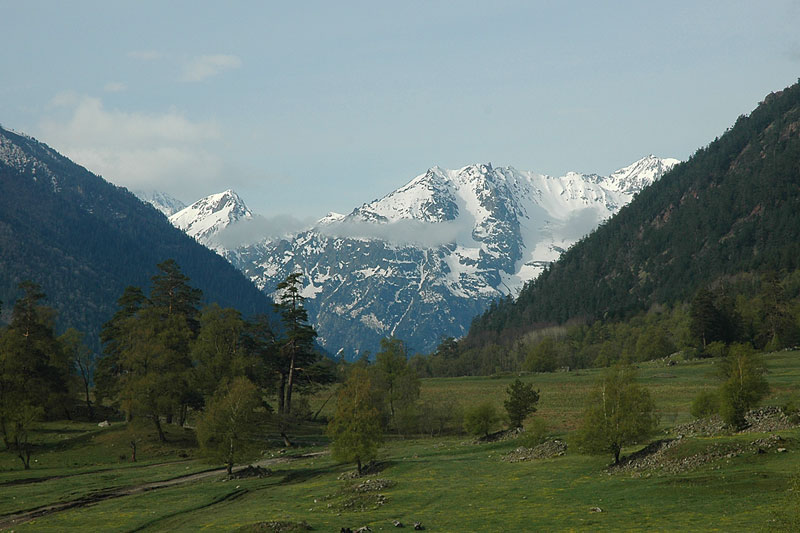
(11, 520)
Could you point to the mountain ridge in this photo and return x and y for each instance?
(84, 240)
(733, 207)
(422, 261)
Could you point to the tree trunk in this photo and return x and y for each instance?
(88, 401)
(289, 384)
(358, 462)
(616, 454)
(133, 450)
(281, 394)
(161, 436)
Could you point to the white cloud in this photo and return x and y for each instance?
(165, 152)
(114, 87)
(250, 231)
(202, 67)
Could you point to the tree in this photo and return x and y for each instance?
(356, 428)
(481, 419)
(521, 402)
(620, 413)
(154, 365)
(297, 347)
(82, 360)
(147, 341)
(228, 431)
(217, 352)
(744, 383)
(542, 356)
(394, 376)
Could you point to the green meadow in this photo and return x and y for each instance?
(447, 483)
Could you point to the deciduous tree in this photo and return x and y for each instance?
(620, 413)
(229, 429)
(744, 383)
(355, 428)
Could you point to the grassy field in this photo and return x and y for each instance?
(449, 484)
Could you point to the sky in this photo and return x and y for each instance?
(306, 108)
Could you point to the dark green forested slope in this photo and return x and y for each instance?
(733, 207)
(84, 240)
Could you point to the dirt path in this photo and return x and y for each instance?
(30, 480)
(14, 519)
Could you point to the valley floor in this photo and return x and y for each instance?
(448, 484)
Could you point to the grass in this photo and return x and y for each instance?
(449, 484)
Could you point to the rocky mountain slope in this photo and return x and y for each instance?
(84, 240)
(732, 208)
(161, 201)
(422, 261)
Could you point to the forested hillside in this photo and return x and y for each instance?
(733, 207)
(84, 240)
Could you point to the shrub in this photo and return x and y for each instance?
(705, 404)
(481, 419)
(535, 434)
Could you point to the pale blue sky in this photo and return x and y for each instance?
(310, 107)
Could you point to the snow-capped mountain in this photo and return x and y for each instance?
(161, 201)
(207, 217)
(424, 260)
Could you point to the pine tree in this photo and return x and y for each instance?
(521, 402)
(297, 346)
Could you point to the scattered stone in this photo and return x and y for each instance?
(761, 420)
(104, 424)
(276, 527)
(595, 510)
(370, 485)
(418, 526)
(498, 436)
(781, 450)
(372, 467)
(252, 472)
(546, 450)
(363, 529)
(654, 457)
(397, 523)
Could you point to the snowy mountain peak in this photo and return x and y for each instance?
(640, 174)
(161, 201)
(205, 218)
(423, 260)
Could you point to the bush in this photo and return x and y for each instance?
(481, 419)
(535, 434)
(744, 386)
(705, 404)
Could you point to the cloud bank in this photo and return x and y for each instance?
(251, 231)
(166, 152)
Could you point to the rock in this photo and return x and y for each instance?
(104, 424)
(418, 526)
(781, 450)
(546, 450)
(397, 523)
(363, 529)
(595, 510)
